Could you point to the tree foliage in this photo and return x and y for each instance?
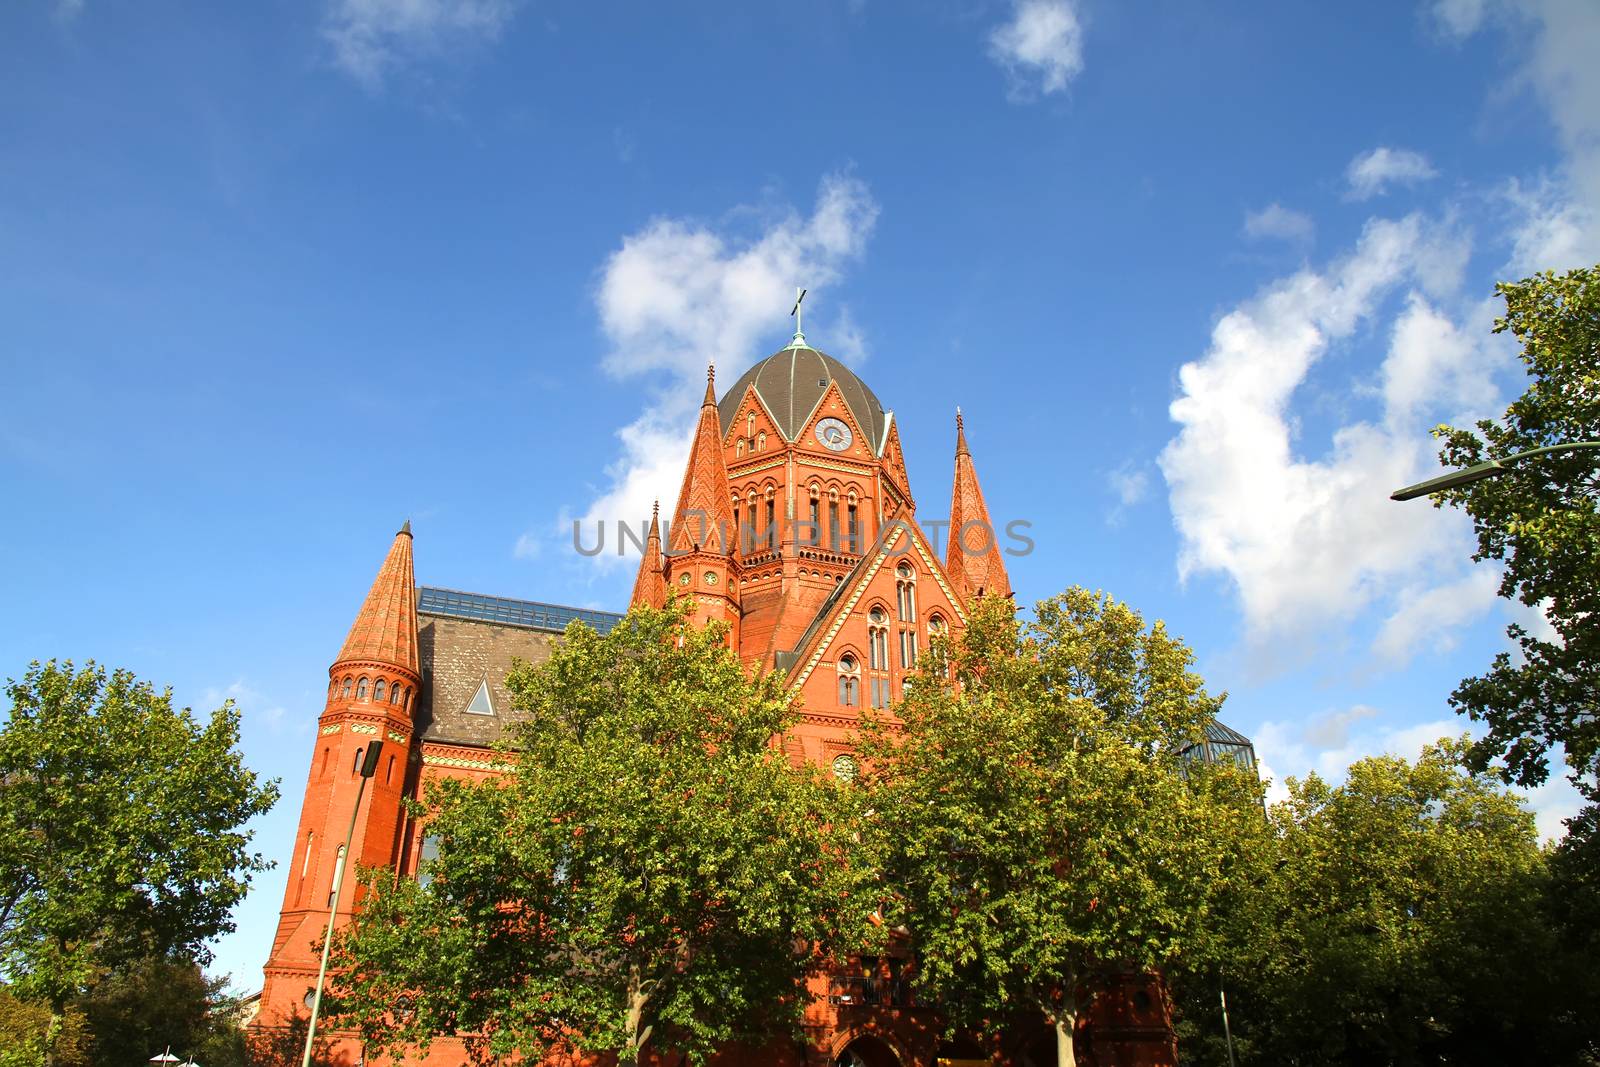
(121, 828)
(1405, 918)
(1542, 521)
(653, 873)
(149, 1004)
(1038, 824)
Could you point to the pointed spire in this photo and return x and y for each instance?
(651, 586)
(972, 558)
(386, 629)
(704, 518)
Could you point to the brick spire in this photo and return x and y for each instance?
(386, 629)
(650, 587)
(703, 520)
(972, 558)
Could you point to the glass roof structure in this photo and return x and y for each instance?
(1222, 744)
(508, 612)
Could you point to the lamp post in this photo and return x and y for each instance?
(1491, 469)
(369, 767)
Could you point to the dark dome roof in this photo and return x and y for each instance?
(791, 384)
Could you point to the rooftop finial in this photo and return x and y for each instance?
(711, 383)
(405, 529)
(798, 311)
(961, 433)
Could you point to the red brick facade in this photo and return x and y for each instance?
(796, 525)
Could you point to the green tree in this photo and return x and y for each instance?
(1404, 920)
(652, 874)
(148, 1004)
(24, 1025)
(1542, 521)
(1038, 823)
(121, 830)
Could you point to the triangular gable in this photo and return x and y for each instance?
(738, 426)
(895, 461)
(819, 637)
(832, 405)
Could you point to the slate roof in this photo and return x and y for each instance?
(791, 384)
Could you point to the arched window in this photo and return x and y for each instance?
(878, 639)
(761, 441)
(908, 649)
(326, 752)
(379, 691)
(394, 694)
(361, 689)
(849, 681)
(348, 682)
(738, 447)
(388, 775)
(305, 864)
(357, 768)
(335, 887)
(936, 625)
(750, 424)
(906, 592)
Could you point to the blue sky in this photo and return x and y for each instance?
(276, 277)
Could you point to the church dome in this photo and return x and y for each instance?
(791, 384)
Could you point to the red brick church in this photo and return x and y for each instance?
(795, 525)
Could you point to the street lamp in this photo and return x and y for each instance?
(369, 767)
(1494, 467)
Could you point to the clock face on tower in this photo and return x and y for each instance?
(834, 434)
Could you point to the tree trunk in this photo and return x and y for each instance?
(1066, 1022)
(52, 1034)
(638, 1033)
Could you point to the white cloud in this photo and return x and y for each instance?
(1331, 742)
(1312, 541)
(1459, 18)
(67, 10)
(1333, 729)
(679, 294)
(254, 706)
(1130, 483)
(1041, 48)
(1558, 41)
(371, 37)
(1371, 173)
(1279, 222)
(1429, 617)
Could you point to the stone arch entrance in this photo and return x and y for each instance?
(867, 1051)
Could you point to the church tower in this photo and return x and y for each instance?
(371, 690)
(701, 544)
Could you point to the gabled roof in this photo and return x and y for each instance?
(831, 616)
